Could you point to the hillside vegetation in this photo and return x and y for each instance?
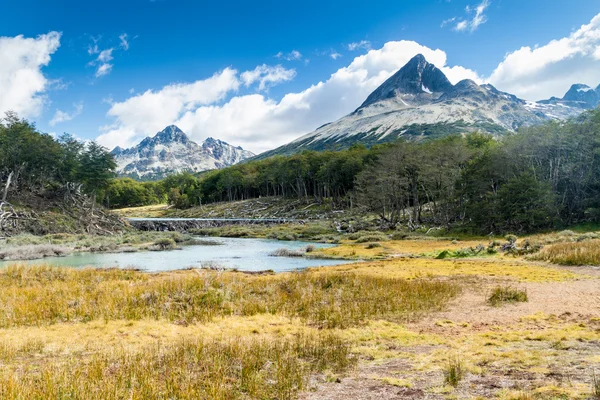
(540, 178)
(50, 185)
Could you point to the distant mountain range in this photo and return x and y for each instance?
(171, 151)
(419, 102)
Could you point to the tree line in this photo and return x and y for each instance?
(36, 162)
(539, 178)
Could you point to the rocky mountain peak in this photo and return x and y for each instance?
(171, 134)
(417, 77)
(171, 151)
(584, 94)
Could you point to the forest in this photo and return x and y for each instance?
(541, 177)
(34, 162)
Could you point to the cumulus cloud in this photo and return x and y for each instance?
(549, 70)
(62, 116)
(148, 112)
(334, 55)
(22, 83)
(255, 121)
(293, 55)
(363, 44)
(267, 76)
(474, 19)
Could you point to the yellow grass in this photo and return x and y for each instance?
(394, 248)
(413, 268)
(586, 252)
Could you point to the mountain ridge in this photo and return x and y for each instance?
(172, 151)
(418, 101)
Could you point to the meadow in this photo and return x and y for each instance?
(401, 322)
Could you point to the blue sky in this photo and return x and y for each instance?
(192, 56)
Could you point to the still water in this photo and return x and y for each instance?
(243, 254)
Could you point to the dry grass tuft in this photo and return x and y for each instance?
(585, 252)
(507, 294)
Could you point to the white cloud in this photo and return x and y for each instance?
(102, 61)
(461, 26)
(447, 21)
(147, 113)
(255, 121)
(293, 55)
(267, 76)
(480, 17)
(124, 42)
(22, 83)
(335, 55)
(105, 56)
(363, 44)
(474, 19)
(62, 116)
(549, 70)
(103, 69)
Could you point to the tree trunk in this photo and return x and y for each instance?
(6, 186)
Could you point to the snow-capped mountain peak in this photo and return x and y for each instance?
(172, 151)
(417, 80)
(418, 101)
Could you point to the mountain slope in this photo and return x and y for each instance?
(419, 101)
(171, 151)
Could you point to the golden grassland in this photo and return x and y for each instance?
(116, 334)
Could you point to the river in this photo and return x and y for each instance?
(243, 254)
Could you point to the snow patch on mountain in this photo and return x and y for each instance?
(171, 151)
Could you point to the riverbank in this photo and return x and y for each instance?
(32, 247)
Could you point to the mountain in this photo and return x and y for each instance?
(578, 98)
(171, 151)
(419, 101)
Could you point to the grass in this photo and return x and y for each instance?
(197, 369)
(29, 247)
(113, 334)
(420, 268)
(586, 252)
(595, 386)
(507, 294)
(46, 295)
(313, 230)
(454, 372)
(33, 251)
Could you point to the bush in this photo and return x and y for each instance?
(164, 244)
(373, 245)
(283, 252)
(512, 239)
(399, 235)
(506, 294)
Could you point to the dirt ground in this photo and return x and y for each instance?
(546, 348)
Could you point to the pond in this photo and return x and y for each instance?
(243, 254)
